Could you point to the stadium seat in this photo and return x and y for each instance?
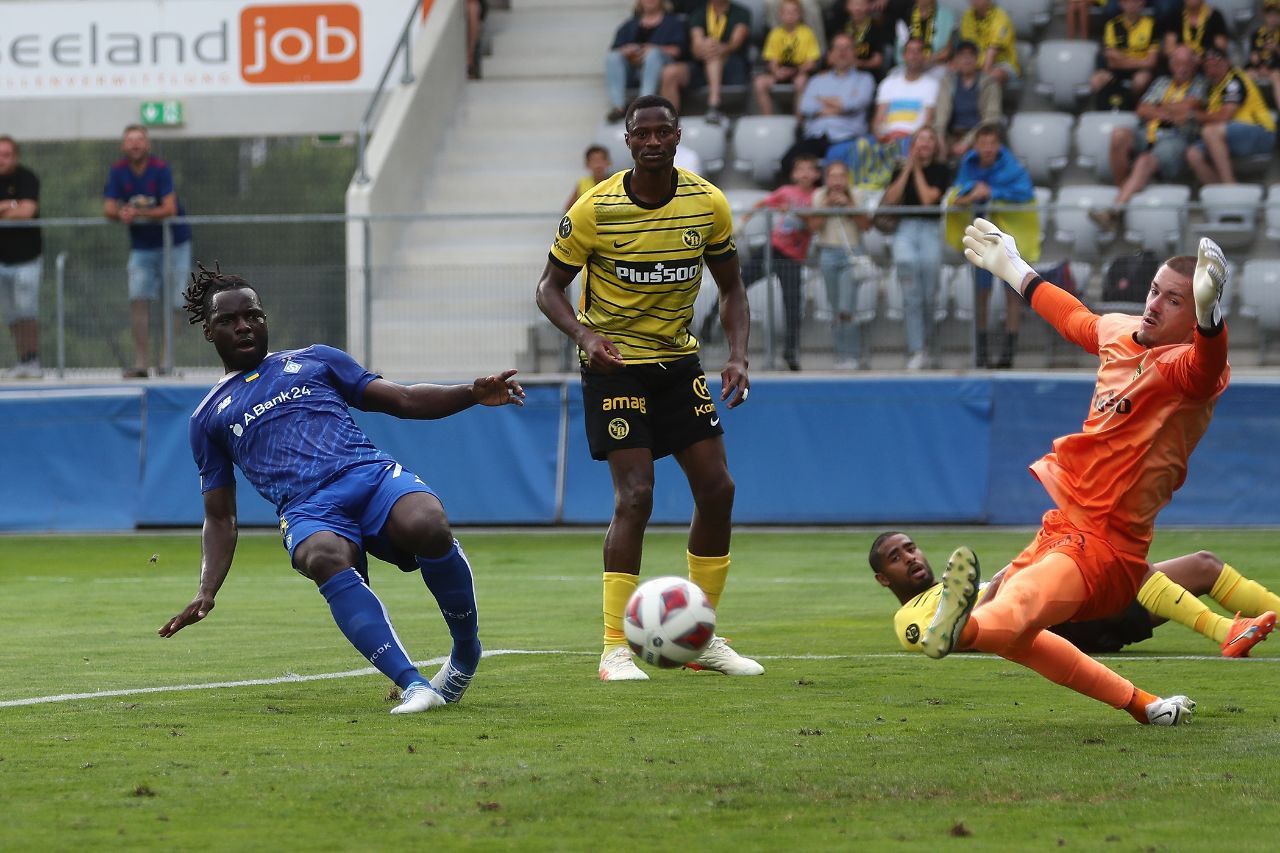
(759, 143)
(705, 138)
(1013, 89)
(1273, 212)
(1093, 139)
(1042, 141)
(1260, 298)
(1044, 202)
(1239, 14)
(1231, 213)
(1071, 218)
(1028, 16)
(611, 137)
(1154, 217)
(1063, 69)
(759, 19)
(752, 236)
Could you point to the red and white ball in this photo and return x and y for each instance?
(668, 622)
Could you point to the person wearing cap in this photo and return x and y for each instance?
(1235, 121)
(1127, 63)
(967, 99)
(1264, 48)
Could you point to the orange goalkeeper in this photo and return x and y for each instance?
(1159, 376)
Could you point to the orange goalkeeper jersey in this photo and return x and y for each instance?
(1150, 408)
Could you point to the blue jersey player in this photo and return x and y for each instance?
(283, 419)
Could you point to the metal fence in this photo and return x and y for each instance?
(299, 263)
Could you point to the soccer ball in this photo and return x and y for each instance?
(668, 622)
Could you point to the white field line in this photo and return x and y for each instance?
(292, 678)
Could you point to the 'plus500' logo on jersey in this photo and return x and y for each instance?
(300, 44)
(656, 273)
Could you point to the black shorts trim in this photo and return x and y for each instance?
(1100, 636)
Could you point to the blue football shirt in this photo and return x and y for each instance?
(286, 425)
(146, 190)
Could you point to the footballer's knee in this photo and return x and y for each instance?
(1208, 566)
(717, 494)
(633, 499)
(323, 555)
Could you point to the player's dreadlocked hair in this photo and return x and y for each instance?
(204, 285)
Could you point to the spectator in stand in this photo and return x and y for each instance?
(919, 181)
(1078, 19)
(1130, 54)
(967, 99)
(477, 10)
(812, 15)
(1168, 110)
(991, 175)
(990, 28)
(21, 261)
(790, 240)
(935, 27)
(598, 166)
(791, 54)
(905, 102)
(1264, 49)
(719, 31)
(872, 36)
(1235, 121)
(1197, 26)
(835, 104)
(140, 193)
(645, 44)
(839, 240)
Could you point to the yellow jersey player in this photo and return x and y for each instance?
(902, 568)
(640, 239)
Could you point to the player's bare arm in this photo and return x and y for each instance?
(735, 316)
(430, 402)
(602, 354)
(218, 547)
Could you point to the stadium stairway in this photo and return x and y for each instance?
(512, 154)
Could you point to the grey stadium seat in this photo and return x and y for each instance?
(1071, 217)
(1153, 218)
(1093, 139)
(759, 143)
(751, 237)
(705, 138)
(611, 137)
(1273, 212)
(1042, 141)
(1029, 16)
(1239, 14)
(1260, 297)
(1063, 69)
(1231, 213)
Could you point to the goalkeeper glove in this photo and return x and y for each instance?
(1207, 283)
(989, 248)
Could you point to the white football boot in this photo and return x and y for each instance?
(616, 665)
(1174, 711)
(959, 592)
(418, 697)
(451, 682)
(719, 657)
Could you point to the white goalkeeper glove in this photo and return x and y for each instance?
(1207, 283)
(989, 248)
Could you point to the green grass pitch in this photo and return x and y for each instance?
(844, 743)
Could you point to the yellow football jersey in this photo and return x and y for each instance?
(642, 265)
(914, 616)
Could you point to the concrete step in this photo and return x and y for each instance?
(461, 350)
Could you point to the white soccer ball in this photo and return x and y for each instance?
(668, 622)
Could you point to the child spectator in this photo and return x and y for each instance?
(598, 168)
(791, 52)
(839, 240)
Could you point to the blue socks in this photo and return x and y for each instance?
(449, 579)
(362, 618)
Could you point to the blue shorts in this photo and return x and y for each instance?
(146, 272)
(1247, 140)
(355, 506)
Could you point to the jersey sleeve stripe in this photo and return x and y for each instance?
(564, 266)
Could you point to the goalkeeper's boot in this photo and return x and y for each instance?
(451, 682)
(616, 665)
(418, 697)
(718, 656)
(1246, 632)
(959, 593)
(1174, 711)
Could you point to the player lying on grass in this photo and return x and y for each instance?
(902, 568)
(1159, 376)
(284, 420)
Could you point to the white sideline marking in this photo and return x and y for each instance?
(293, 678)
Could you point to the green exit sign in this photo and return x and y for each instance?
(161, 113)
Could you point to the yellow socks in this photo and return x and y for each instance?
(1168, 600)
(618, 587)
(1236, 592)
(709, 573)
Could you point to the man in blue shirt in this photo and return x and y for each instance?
(140, 193)
(283, 418)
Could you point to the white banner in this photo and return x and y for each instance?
(156, 48)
